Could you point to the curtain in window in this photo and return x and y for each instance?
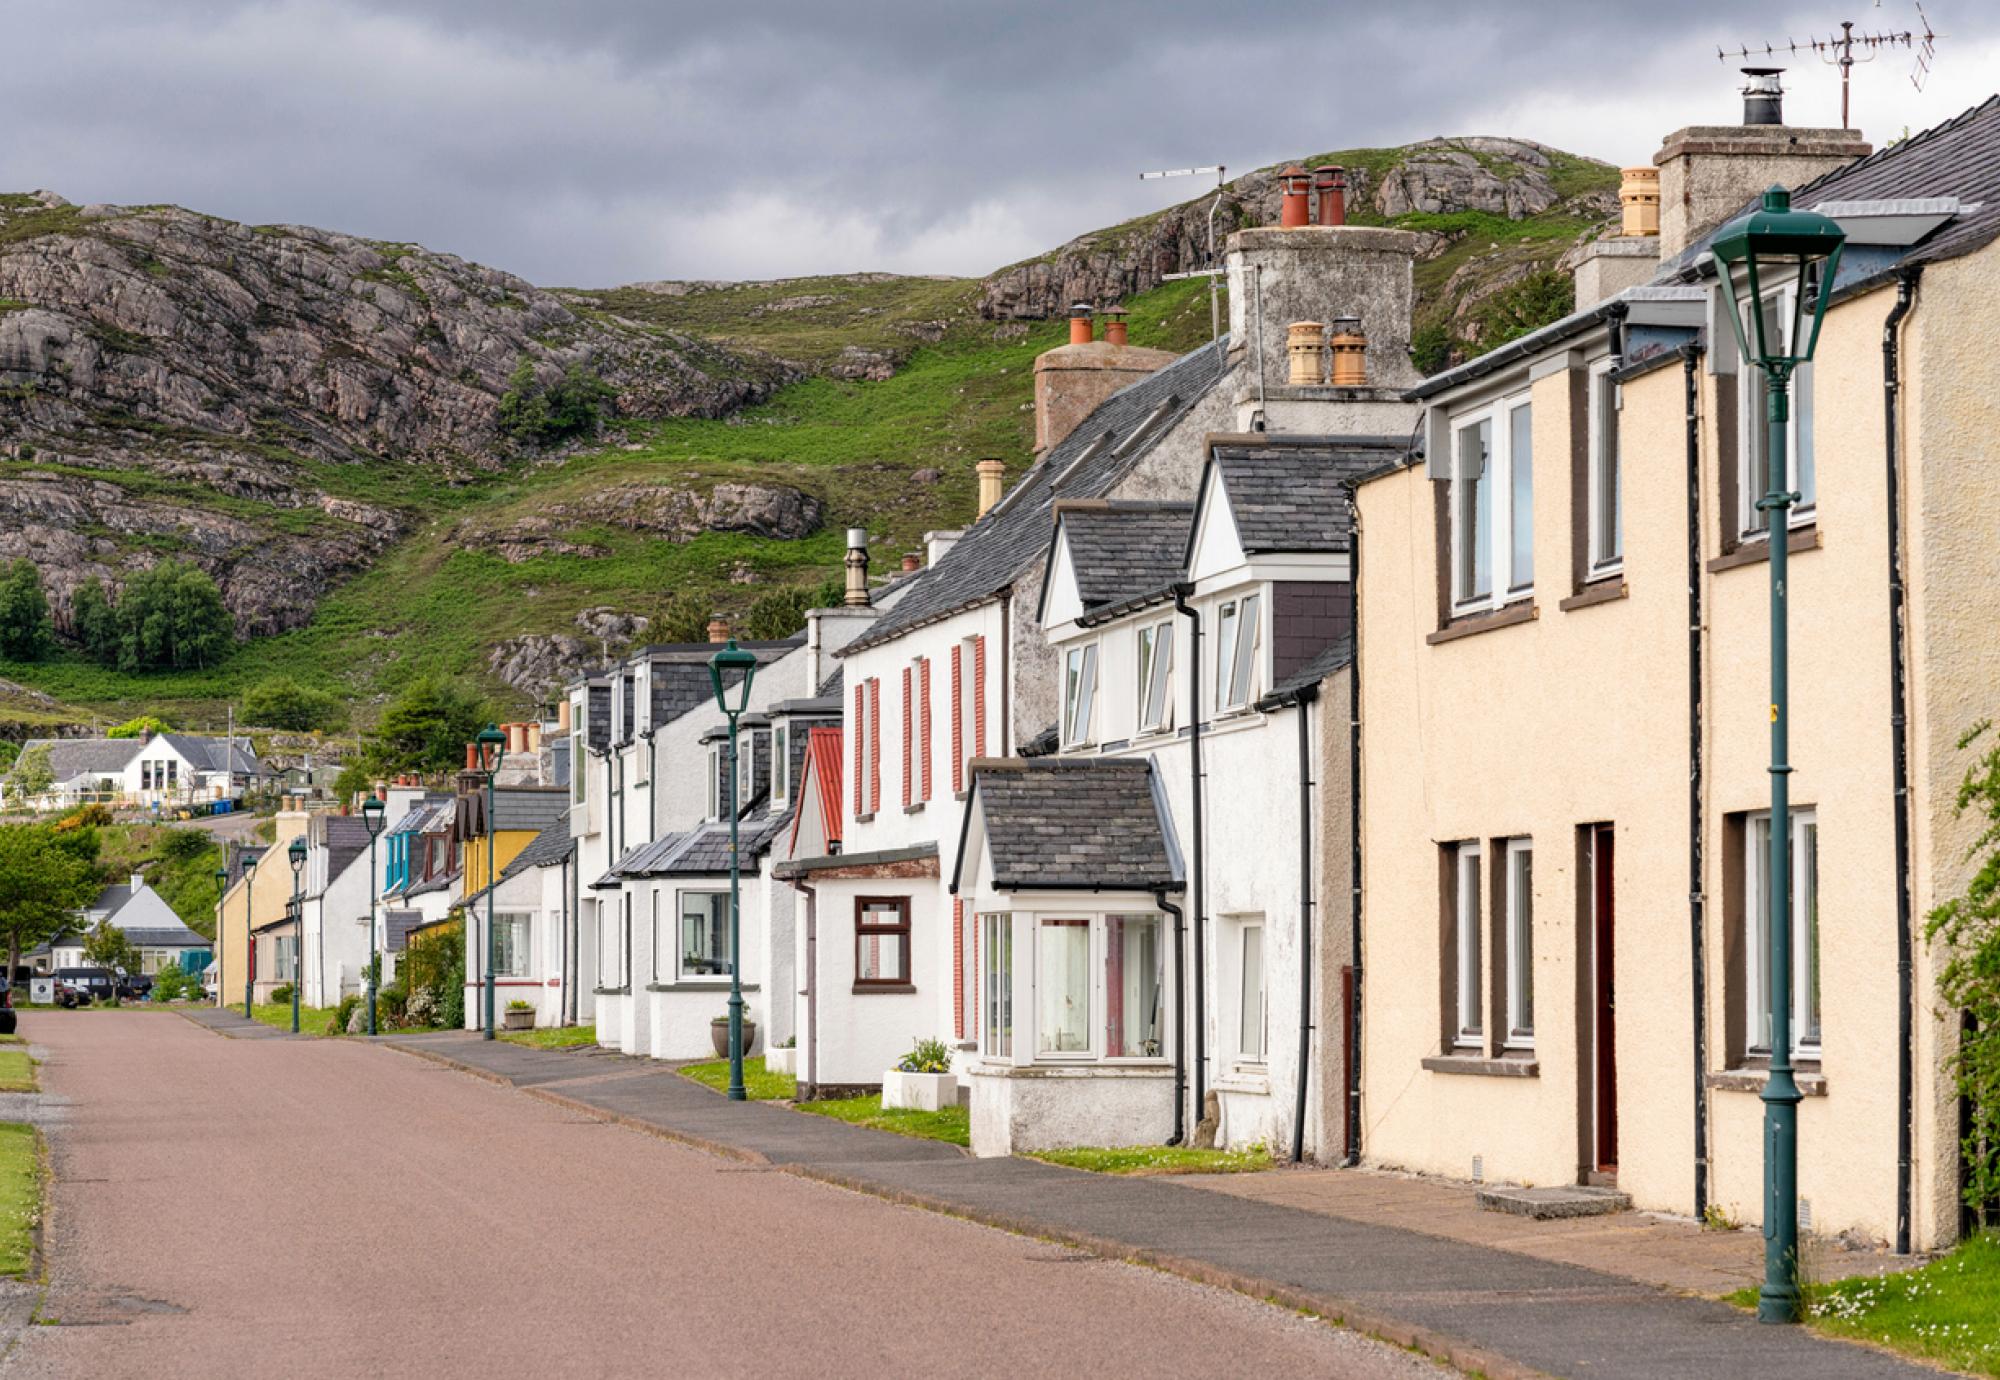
(704, 934)
(1133, 989)
(1062, 984)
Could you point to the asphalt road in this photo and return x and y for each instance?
(320, 1207)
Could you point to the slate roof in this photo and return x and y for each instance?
(701, 852)
(1118, 549)
(1014, 534)
(1285, 494)
(346, 839)
(397, 925)
(1061, 823)
(546, 849)
(216, 754)
(146, 918)
(1312, 673)
(70, 758)
(529, 807)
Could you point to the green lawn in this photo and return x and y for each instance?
(1159, 1159)
(313, 1020)
(1947, 1311)
(17, 1071)
(20, 1196)
(761, 1084)
(553, 1037)
(953, 1124)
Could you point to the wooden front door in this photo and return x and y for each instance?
(1602, 950)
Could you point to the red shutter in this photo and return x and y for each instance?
(860, 732)
(924, 723)
(874, 744)
(957, 724)
(979, 697)
(909, 742)
(958, 966)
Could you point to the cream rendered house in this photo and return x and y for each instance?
(1562, 647)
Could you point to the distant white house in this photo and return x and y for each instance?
(156, 933)
(158, 769)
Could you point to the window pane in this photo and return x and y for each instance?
(1521, 940)
(1521, 497)
(1225, 651)
(705, 934)
(1133, 990)
(997, 943)
(1804, 479)
(1159, 710)
(1062, 982)
(1247, 630)
(1470, 974)
(1087, 692)
(1758, 904)
(781, 763)
(1805, 884)
(1250, 1010)
(1607, 530)
(1473, 521)
(882, 958)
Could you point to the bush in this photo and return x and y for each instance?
(93, 621)
(782, 612)
(542, 414)
(139, 727)
(27, 633)
(172, 983)
(518, 1005)
(425, 729)
(1968, 927)
(283, 703)
(281, 996)
(927, 1056)
(344, 1013)
(392, 1004)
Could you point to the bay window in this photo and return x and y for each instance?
(1156, 659)
(1079, 693)
(1062, 986)
(1803, 852)
(1238, 636)
(1753, 393)
(1607, 480)
(996, 948)
(704, 934)
(1134, 987)
(1492, 509)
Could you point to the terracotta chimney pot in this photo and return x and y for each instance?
(1304, 341)
(1350, 353)
(1080, 326)
(1114, 325)
(1639, 200)
(1330, 181)
(991, 474)
(1297, 186)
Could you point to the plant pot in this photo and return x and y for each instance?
(517, 1020)
(924, 1092)
(718, 1031)
(781, 1060)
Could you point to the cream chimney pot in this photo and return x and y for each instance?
(991, 473)
(857, 568)
(1304, 341)
(1639, 201)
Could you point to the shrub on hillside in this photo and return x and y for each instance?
(27, 632)
(541, 414)
(139, 727)
(782, 612)
(283, 703)
(93, 621)
(425, 728)
(172, 618)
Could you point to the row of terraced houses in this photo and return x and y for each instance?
(1304, 752)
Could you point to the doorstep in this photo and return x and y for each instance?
(1544, 1204)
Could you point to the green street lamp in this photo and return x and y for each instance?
(297, 855)
(371, 815)
(249, 940)
(1774, 248)
(221, 886)
(492, 748)
(734, 658)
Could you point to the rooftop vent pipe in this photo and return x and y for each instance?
(1330, 182)
(1350, 353)
(1639, 200)
(1079, 324)
(1114, 325)
(857, 568)
(991, 473)
(1297, 186)
(1763, 97)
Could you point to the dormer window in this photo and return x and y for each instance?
(1238, 636)
(1156, 659)
(1753, 392)
(1079, 693)
(1493, 506)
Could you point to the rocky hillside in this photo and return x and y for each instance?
(316, 418)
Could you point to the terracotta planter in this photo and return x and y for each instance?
(517, 1020)
(718, 1031)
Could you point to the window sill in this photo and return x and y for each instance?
(884, 989)
(697, 985)
(611, 991)
(1604, 591)
(868, 818)
(961, 795)
(1751, 1079)
(1759, 551)
(915, 807)
(1478, 1065)
(1467, 625)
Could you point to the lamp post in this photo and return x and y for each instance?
(371, 815)
(249, 940)
(221, 887)
(734, 658)
(492, 748)
(1777, 248)
(297, 855)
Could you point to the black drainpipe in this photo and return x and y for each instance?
(1354, 836)
(1188, 611)
(1180, 1027)
(1697, 901)
(1303, 705)
(1899, 753)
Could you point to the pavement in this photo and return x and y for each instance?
(1497, 1312)
(330, 1207)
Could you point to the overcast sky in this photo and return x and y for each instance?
(593, 142)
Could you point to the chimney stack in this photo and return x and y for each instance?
(718, 630)
(1330, 181)
(1763, 97)
(991, 473)
(1304, 340)
(1350, 353)
(857, 568)
(1114, 325)
(1080, 332)
(1297, 185)
(1639, 201)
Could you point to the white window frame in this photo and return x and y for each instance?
(781, 763)
(1102, 926)
(1505, 584)
(513, 957)
(1805, 925)
(746, 765)
(1752, 428)
(996, 983)
(681, 898)
(1079, 702)
(968, 705)
(1239, 642)
(1469, 947)
(1606, 484)
(1068, 923)
(1242, 928)
(1155, 644)
(714, 782)
(1520, 916)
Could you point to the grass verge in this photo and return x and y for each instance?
(313, 1020)
(20, 1195)
(953, 1124)
(1158, 1159)
(17, 1071)
(553, 1037)
(759, 1082)
(1944, 1311)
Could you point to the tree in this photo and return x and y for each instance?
(94, 621)
(1969, 928)
(782, 612)
(27, 633)
(354, 779)
(172, 617)
(139, 727)
(45, 879)
(543, 414)
(283, 703)
(33, 772)
(425, 728)
(107, 947)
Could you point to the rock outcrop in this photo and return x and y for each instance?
(670, 511)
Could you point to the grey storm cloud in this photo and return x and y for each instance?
(604, 141)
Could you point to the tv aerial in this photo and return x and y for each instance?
(1213, 269)
(1847, 49)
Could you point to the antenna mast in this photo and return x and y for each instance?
(1213, 270)
(1839, 50)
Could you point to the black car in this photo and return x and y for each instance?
(82, 986)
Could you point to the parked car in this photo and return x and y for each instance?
(134, 986)
(82, 986)
(8, 1018)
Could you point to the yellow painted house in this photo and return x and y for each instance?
(254, 897)
(519, 813)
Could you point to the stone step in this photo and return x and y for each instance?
(1571, 1200)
